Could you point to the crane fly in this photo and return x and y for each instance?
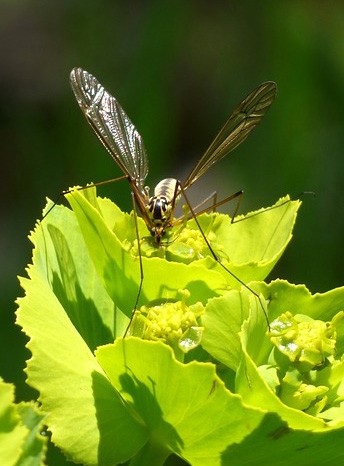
(125, 145)
(122, 140)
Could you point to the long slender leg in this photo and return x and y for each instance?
(210, 208)
(218, 259)
(141, 265)
(239, 194)
(266, 209)
(63, 193)
(187, 215)
(212, 197)
(294, 198)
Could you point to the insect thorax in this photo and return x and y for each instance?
(161, 206)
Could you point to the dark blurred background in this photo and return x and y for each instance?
(178, 68)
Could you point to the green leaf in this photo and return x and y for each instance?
(34, 448)
(120, 270)
(336, 414)
(235, 333)
(108, 236)
(297, 299)
(222, 322)
(12, 432)
(332, 376)
(133, 400)
(250, 384)
(275, 443)
(186, 408)
(254, 242)
(61, 258)
(84, 413)
(255, 390)
(21, 442)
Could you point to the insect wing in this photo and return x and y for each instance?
(236, 129)
(112, 125)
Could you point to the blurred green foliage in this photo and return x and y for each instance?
(178, 69)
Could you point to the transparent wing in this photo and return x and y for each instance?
(236, 129)
(112, 125)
